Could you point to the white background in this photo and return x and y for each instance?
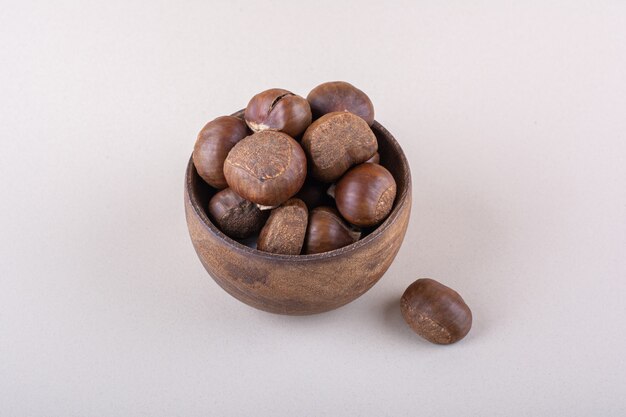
(513, 117)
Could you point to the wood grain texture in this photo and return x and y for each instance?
(300, 284)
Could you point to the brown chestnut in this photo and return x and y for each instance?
(374, 159)
(435, 312)
(328, 231)
(335, 142)
(340, 96)
(314, 194)
(214, 142)
(365, 194)
(266, 168)
(285, 229)
(278, 109)
(234, 215)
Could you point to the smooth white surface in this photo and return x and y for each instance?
(513, 117)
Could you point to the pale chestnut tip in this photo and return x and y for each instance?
(257, 127)
(331, 190)
(263, 208)
(374, 159)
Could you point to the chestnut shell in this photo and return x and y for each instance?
(335, 142)
(234, 215)
(214, 142)
(340, 96)
(285, 229)
(278, 109)
(365, 194)
(267, 167)
(436, 312)
(328, 231)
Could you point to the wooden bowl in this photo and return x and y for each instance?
(301, 284)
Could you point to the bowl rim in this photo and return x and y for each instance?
(401, 200)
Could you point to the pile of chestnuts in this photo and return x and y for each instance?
(303, 176)
(303, 173)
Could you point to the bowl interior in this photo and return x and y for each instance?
(391, 157)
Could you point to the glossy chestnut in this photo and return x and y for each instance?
(214, 142)
(267, 168)
(278, 109)
(436, 312)
(235, 216)
(335, 142)
(340, 96)
(365, 194)
(328, 231)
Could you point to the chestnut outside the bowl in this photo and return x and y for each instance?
(301, 284)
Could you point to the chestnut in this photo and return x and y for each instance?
(234, 215)
(435, 312)
(278, 109)
(365, 194)
(328, 231)
(267, 167)
(214, 142)
(375, 159)
(340, 96)
(314, 194)
(335, 142)
(285, 229)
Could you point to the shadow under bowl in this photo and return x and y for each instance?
(301, 284)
